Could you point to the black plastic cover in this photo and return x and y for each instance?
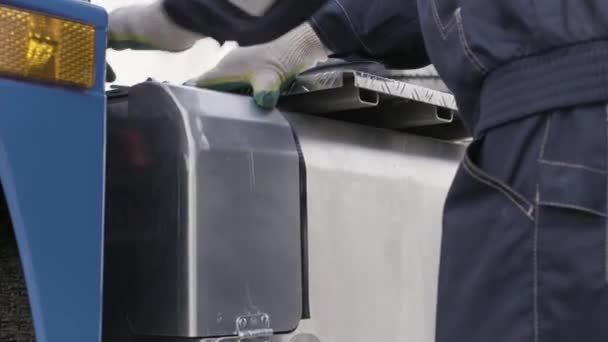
(203, 214)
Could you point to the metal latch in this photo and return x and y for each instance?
(249, 327)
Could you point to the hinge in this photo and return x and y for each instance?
(249, 327)
(254, 327)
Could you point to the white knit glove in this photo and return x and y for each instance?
(147, 27)
(266, 69)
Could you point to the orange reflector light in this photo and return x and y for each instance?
(41, 48)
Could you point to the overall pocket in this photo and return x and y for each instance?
(486, 259)
(570, 225)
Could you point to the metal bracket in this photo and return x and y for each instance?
(326, 83)
(371, 100)
(254, 327)
(249, 327)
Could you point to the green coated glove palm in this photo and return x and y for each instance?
(265, 70)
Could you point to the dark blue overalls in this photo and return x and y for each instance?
(524, 251)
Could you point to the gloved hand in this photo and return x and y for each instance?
(266, 69)
(147, 27)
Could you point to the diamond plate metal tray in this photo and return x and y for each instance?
(384, 87)
(370, 99)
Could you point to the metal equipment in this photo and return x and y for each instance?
(227, 222)
(163, 213)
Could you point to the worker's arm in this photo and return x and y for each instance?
(248, 22)
(175, 25)
(384, 30)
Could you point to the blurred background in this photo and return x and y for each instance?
(135, 66)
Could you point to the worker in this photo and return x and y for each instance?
(176, 25)
(524, 253)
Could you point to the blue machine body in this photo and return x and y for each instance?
(52, 142)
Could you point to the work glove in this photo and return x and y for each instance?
(147, 27)
(266, 69)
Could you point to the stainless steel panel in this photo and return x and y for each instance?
(374, 204)
(375, 201)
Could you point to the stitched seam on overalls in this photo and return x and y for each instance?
(545, 138)
(606, 220)
(572, 166)
(443, 30)
(572, 206)
(497, 185)
(545, 161)
(561, 163)
(480, 173)
(352, 27)
(535, 297)
(468, 52)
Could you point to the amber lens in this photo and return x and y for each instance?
(43, 48)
